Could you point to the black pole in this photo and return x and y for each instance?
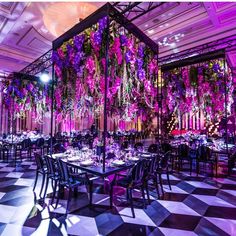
(52, 105)
(1, 113)
(106, 87)
(158, 109)
(161, 109)
(226, 115)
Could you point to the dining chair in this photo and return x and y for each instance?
(133, 179)
(183, 157)
(138, 145)
(162, 167)
(153, 148)
(70, 180)
(232, 163)
(51, 174)
(4, 152)
(23, 147)
(41, 169)
(205, 156)
(124, 145)
(151, 174)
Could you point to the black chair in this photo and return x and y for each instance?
(184, 157)
(166, 147)
(134, 179)
(70, 180)
(4, 152)
(163, 168)
(153, 148)
(138, 146)
(151, 174)
(58, 148)
(24, 146)
(205, 156)
(51, 174)
(125, 145)
(41, 169)
(40, 145)
(47, 144)
(232, 163)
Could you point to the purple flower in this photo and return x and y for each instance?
(216, 67)
(128, 56)
(139, 63)
(102, 23)
(79, 41)
(141, 74)
(141, 51)
(98, 38)
(56, 59)
(123, 40)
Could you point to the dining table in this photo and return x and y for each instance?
(95, 168)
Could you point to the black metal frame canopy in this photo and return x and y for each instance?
(112, 14)
(211, 55)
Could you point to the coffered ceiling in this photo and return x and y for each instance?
(27, 29)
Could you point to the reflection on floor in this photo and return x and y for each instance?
(195, 206)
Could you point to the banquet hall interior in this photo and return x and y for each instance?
(118, 118)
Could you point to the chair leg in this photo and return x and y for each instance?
(58, 196)
(168, 179)
(216, 168)
(46, 188)
(197, 163)
(148, 196)
(156, 185)
(90, 193)
(131, 202)
(160, 180)
(54, 191)
(41, 190)
(143, 195)
(68, 201)
(111, 196)
(36, 180)
(127, 194)
(191, 166)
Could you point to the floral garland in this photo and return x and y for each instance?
(24, 95)
(80, 71)
(200, 87)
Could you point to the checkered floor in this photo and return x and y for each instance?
(195, 206)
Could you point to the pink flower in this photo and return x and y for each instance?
(90, 65)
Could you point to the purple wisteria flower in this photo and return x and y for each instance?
(79, 41)
(102, 24)
(128, 56)
(123, 40)
(141, 74)
(141, 51)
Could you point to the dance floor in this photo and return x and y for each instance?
(195, 206)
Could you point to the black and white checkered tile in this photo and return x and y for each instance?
(194, 206)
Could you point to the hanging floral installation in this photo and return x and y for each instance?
(199, 87)
(80, 74)
(21, 95)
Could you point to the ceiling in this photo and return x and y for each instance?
(27, 29)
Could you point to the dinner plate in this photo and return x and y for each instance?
(118, 162)
(146, 155)
(73, 158)
(58, 155)
(86, 163)
(133, 159)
